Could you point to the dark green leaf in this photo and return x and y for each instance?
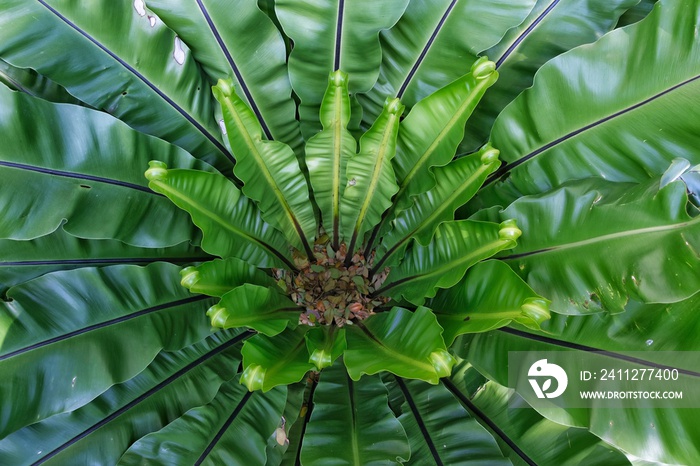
(231, 429)
(68, 336)
(32, 83)
(351, 423)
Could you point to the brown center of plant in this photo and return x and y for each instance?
(330, 292)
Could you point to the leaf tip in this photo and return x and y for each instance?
(483, 68)
(218, 315)
(442, 362)
(509, 231)
(190, 276)
(253, 377)
(157, 171)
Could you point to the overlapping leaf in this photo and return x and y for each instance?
(332, 35)
(405, 343)
(434, 43)
(551, 28)
(455, 247)
(111, 65)
(174, 383)
(231, 223)
(489, 296)
(624, 118)
(245, 47)
(113, 320)
(595, 244)
(441, 431)
(351, 423)
(217, 277)
(231, 429)
(269, 170)
(77, 162)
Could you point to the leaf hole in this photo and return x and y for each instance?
(86, 186)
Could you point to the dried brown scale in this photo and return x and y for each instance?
(330, 292)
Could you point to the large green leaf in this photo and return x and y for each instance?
(332, 35)
(552, 28)
(440, 431)
(23, 260)
(170, 386)
(218, 277)
(351, 424)
(371, 181)
(525, 437)
(68, 336)
(245, 47)
(489, 296)
(624, 117)
(261, 308)
(64, 163)
(232, 224)
(455, 247)
(667, 434)
(272, 361)
(408, 344)
(434, 43)
(328, 151)
(455, 184)
(593, 244)
(117, 64)
(269, 170)
(231, 429)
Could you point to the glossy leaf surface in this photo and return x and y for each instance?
(351, 423)
(405, 343)
(231, 429)
(217, 277)
(231, 223)
(78, 160)
(489, 296)
(626, 227)
(84, 315)
(111, 66)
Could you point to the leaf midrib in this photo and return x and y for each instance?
(608, 237)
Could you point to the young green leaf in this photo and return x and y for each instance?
(405, 343)
(261, 308)
(455, 247)
(489, 296)
(231, 223)
(269, 170)
(325, 344)
(328, 151)
(371, 181)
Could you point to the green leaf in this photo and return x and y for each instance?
(261, 308)
(32, 83)
(636, 13)
(217, 277)
(68, 336)
(441, 431)
(273, 361)
(455, 184)
(231, 223)
(405, 343)
(231, 429)
(590, 117)
(245, 47)
(523, 434)
(455, 247)
(23, 260)
(351, 423)
(593, 244)
(174, 383)
(331, 35)
(138, 72)
(550, 29)
(63, 163)
(325, 344)
(434, 43)
(489, 296)
(371, 181)
(667, 435)
(328, 151)
(269, 170)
